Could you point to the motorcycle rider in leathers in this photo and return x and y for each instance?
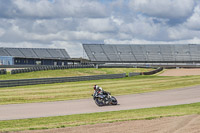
(100, 91)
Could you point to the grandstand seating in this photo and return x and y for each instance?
(34, 52)
(166, 52)
(139, 52)
(29, 53)
(194, 52)
(125, 53)
(14, 52)
(153, 52)
(111, 53)
(42, 53)
(3, 52)
(143, 53)
(55, 53)
(98, 53)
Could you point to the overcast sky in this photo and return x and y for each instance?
(69, 23)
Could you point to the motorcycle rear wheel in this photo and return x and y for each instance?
(99, 102)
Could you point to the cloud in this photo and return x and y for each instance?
(194, 40)
(45, 9)
(163, 8)
(193, 21)
(73, 48)
(142, 27)
(182, 33)
(69, 23)
(2, 31)
(97, 25)
(23, 44)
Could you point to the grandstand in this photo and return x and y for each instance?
(33, 56)
(148, 53)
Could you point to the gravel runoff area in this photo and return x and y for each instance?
(181, 72)
(181, 124)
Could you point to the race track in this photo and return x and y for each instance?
(135, 101)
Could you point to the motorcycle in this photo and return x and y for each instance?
(102, 100)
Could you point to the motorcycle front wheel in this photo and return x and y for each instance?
(114, 101)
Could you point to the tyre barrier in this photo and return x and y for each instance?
(153, 72)
(3, 71)
(24, 82)
(43, 68)
(146, 73)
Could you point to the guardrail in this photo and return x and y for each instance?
(23, 82)
(134, 74)
(146, 73)
(3, 71)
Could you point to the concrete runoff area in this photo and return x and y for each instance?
(185, 95)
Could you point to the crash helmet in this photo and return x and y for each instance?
(100, 89)
(95, 87)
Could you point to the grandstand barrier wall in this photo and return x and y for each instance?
(24, 82)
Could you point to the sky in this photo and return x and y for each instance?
(70, 23)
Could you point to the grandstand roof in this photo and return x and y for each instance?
(143, 52)
(45, 53)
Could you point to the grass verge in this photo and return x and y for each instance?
(83, 89)
(103, 117)
(72, 72)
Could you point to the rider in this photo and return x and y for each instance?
(99, 90)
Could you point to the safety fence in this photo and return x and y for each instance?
(146, 73)
(23, 82)
(3, 71)
(43, 68)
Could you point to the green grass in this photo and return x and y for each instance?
(71, 72)
(83, 89)
(103, 117)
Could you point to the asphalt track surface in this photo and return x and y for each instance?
(135, 101)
